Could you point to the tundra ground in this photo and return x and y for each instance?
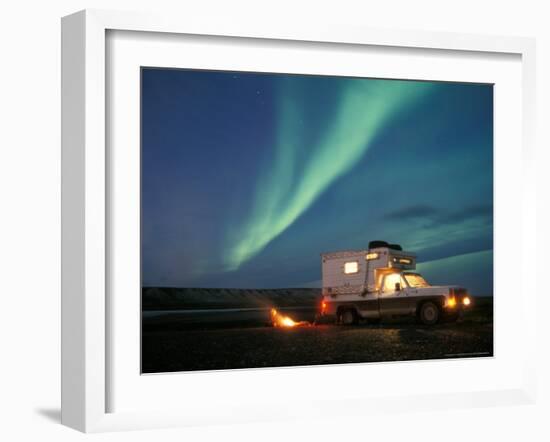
(180, 341)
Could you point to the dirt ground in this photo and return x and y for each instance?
(192, 347)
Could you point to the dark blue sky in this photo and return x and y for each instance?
(247, 178)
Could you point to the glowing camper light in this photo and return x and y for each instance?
(351, 267)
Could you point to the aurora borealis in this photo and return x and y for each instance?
(247, 178)
(291, 186)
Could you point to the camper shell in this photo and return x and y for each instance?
(379, 282)
(356, 271)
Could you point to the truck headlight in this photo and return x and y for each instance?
(451, 302)
(466, 300)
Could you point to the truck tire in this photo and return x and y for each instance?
(429, 313)
(348, 317)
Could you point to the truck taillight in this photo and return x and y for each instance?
(323, 306)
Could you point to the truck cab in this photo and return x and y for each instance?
(380, 282)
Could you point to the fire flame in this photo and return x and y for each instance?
(279, 320)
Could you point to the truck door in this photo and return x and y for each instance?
(392, 301)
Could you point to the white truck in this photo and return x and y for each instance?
(380, 282)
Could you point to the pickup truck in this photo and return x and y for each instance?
(379, 282)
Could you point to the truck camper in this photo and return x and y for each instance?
(380, 282)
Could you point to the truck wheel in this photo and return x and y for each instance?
(348, 317)
(429, 313)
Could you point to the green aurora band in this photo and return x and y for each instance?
(293, 183)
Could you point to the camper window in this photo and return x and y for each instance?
(351, 267)
(406, 261)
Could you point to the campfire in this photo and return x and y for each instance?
(279, 320)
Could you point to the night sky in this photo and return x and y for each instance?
(247, 178)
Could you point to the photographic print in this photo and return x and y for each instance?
(298, 220)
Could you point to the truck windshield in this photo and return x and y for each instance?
(415, 280)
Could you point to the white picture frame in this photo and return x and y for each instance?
(86, 202)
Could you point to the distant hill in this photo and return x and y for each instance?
(169, 298)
